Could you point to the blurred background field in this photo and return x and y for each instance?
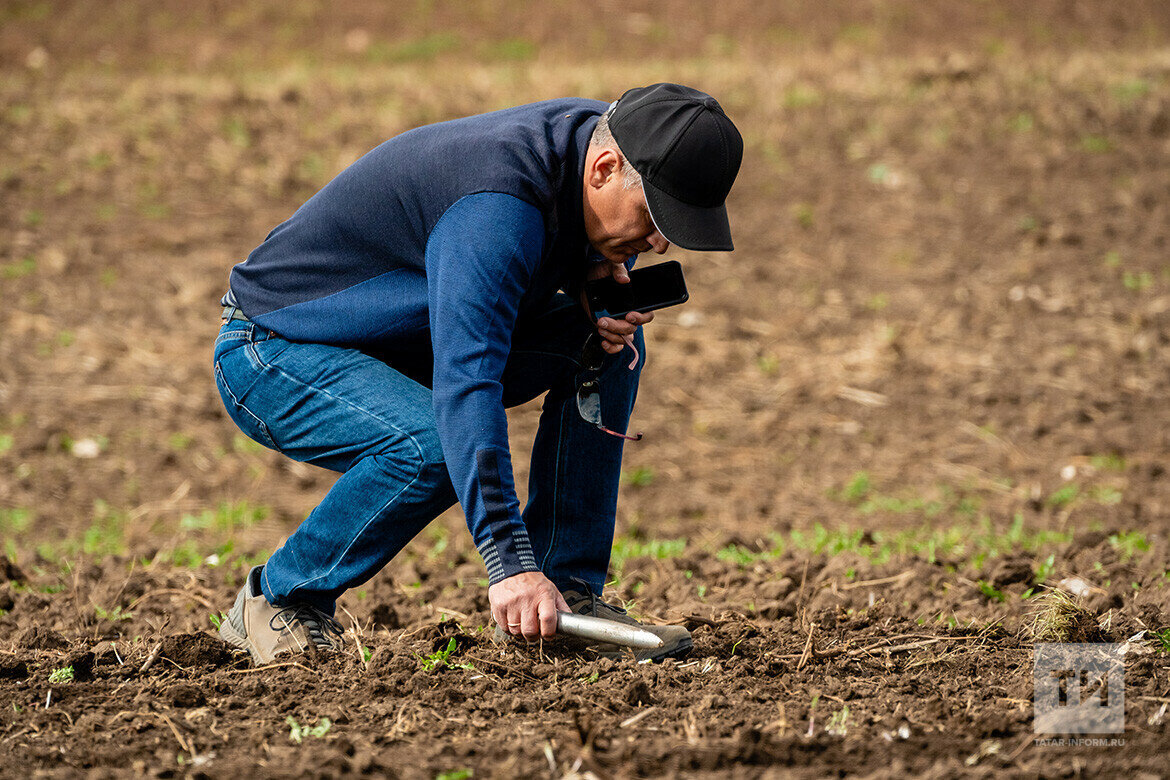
(951, 279)
(941, 345)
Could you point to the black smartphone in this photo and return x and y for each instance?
(651, 287)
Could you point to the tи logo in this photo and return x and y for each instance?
(1078, 689)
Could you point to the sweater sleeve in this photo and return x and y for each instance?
(480, 258)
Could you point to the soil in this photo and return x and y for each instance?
(931, 377)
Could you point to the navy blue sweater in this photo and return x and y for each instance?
(439, 238)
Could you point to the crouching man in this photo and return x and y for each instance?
(383, 329)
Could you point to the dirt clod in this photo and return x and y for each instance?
(12, 668)
(82, 665)
(385, 616)
(185, 695)
(196, 649)
(9, 571)
(40, 638)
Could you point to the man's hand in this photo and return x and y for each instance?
(616, 334)
(527, 604)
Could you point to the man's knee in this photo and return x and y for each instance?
(416, 456)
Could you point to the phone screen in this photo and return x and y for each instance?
(651, 287)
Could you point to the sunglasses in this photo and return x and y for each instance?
(589, 387)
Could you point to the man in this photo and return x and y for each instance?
(384, 328)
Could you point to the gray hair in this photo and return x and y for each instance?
(603, 136)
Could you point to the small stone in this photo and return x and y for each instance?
(86, 448)
(37, 59)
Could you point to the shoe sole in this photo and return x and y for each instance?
(680, 650)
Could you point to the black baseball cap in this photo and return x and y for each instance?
(688, 153)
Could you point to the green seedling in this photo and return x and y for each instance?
(625, 547)
(180, 441)
(1129, 543)
(1064, 496)
(990, 591)
(116, 614)
(639, 477)
(768, 364)
(1096, 143)
(217, 620)
(62, 675)
(733, 553)
(1044, 570)
(1110, 462)
(367, 654)
(441, 658)
(1137, 281)
(297, 732)
(455, 774)
(838, 724)
(1105, 494)
(1162, 638)
(18, 269)
(857, 488)
(595, 676)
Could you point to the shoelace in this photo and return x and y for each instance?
(594, 601)
(316, 623)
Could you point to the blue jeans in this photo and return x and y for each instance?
(370, 417)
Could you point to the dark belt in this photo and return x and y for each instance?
(232, 313)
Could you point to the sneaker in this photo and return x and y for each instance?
(676, 640)
(266, 631)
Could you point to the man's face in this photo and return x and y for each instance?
(617, 220)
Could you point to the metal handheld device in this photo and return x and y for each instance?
(600, 630)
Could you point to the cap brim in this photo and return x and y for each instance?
(703, 229)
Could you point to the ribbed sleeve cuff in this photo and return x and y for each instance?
(504, 560)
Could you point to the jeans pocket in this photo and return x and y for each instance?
(241, 415)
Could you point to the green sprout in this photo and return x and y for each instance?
(116, 614)
(838, 722)
(990, 591)
(62, 675)
(297, 732)
(1163, 639)
(441, 658)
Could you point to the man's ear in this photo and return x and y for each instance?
(606, 165)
